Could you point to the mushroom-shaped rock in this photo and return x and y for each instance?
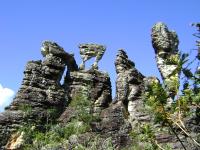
(88, 51)
(165, 44)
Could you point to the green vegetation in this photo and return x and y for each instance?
(54, 135)
(144, 137)
(26, 108)
(185, 102)
(170, 118)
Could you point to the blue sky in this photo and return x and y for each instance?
(114, 23)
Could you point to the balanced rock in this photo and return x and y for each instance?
(88, 51)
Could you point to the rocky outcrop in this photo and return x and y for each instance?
(41, 95)
(16, 141)
(41, 88)
(97, 85)
(115, 125)
(81, 111)
(165, 44)
(111, 125)
(129, 87)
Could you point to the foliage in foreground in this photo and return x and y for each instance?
(56, 135)
(186, 103)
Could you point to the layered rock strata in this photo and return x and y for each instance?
(129, 87)
(84, 100)
(97, 85)
(112, 124)
(41, 95)
(115, 125)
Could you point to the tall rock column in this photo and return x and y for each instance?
(165, 43)
(129, 86)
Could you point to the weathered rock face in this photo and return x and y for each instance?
(115, 124)
(88, 51)
(40, 94)
(83, 104)
(129, 87)
(9, 122)
(163, 40)
(112, 124)
(16, 141)
(97, 85)
(41, 89)
(165, 43)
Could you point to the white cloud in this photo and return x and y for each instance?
(6, 96)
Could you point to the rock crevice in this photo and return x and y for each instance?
(85, 101)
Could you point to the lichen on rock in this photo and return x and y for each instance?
(88, 51)
(165, 44)
(129, 86)
(40, 91)
(80, 112)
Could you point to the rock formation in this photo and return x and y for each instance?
(41, 92)
(88, 51)
(97, 85)
(165, 43)
(129, 87)
(80, 113)
(41, 97)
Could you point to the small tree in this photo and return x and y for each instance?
(183, 103)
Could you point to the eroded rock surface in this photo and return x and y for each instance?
(165, 44)
(16, 141)
(115, 125)
(129, 87)
(83, 104)
(97, 85)
(40, 93)
(112, 124)
(88, 51)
